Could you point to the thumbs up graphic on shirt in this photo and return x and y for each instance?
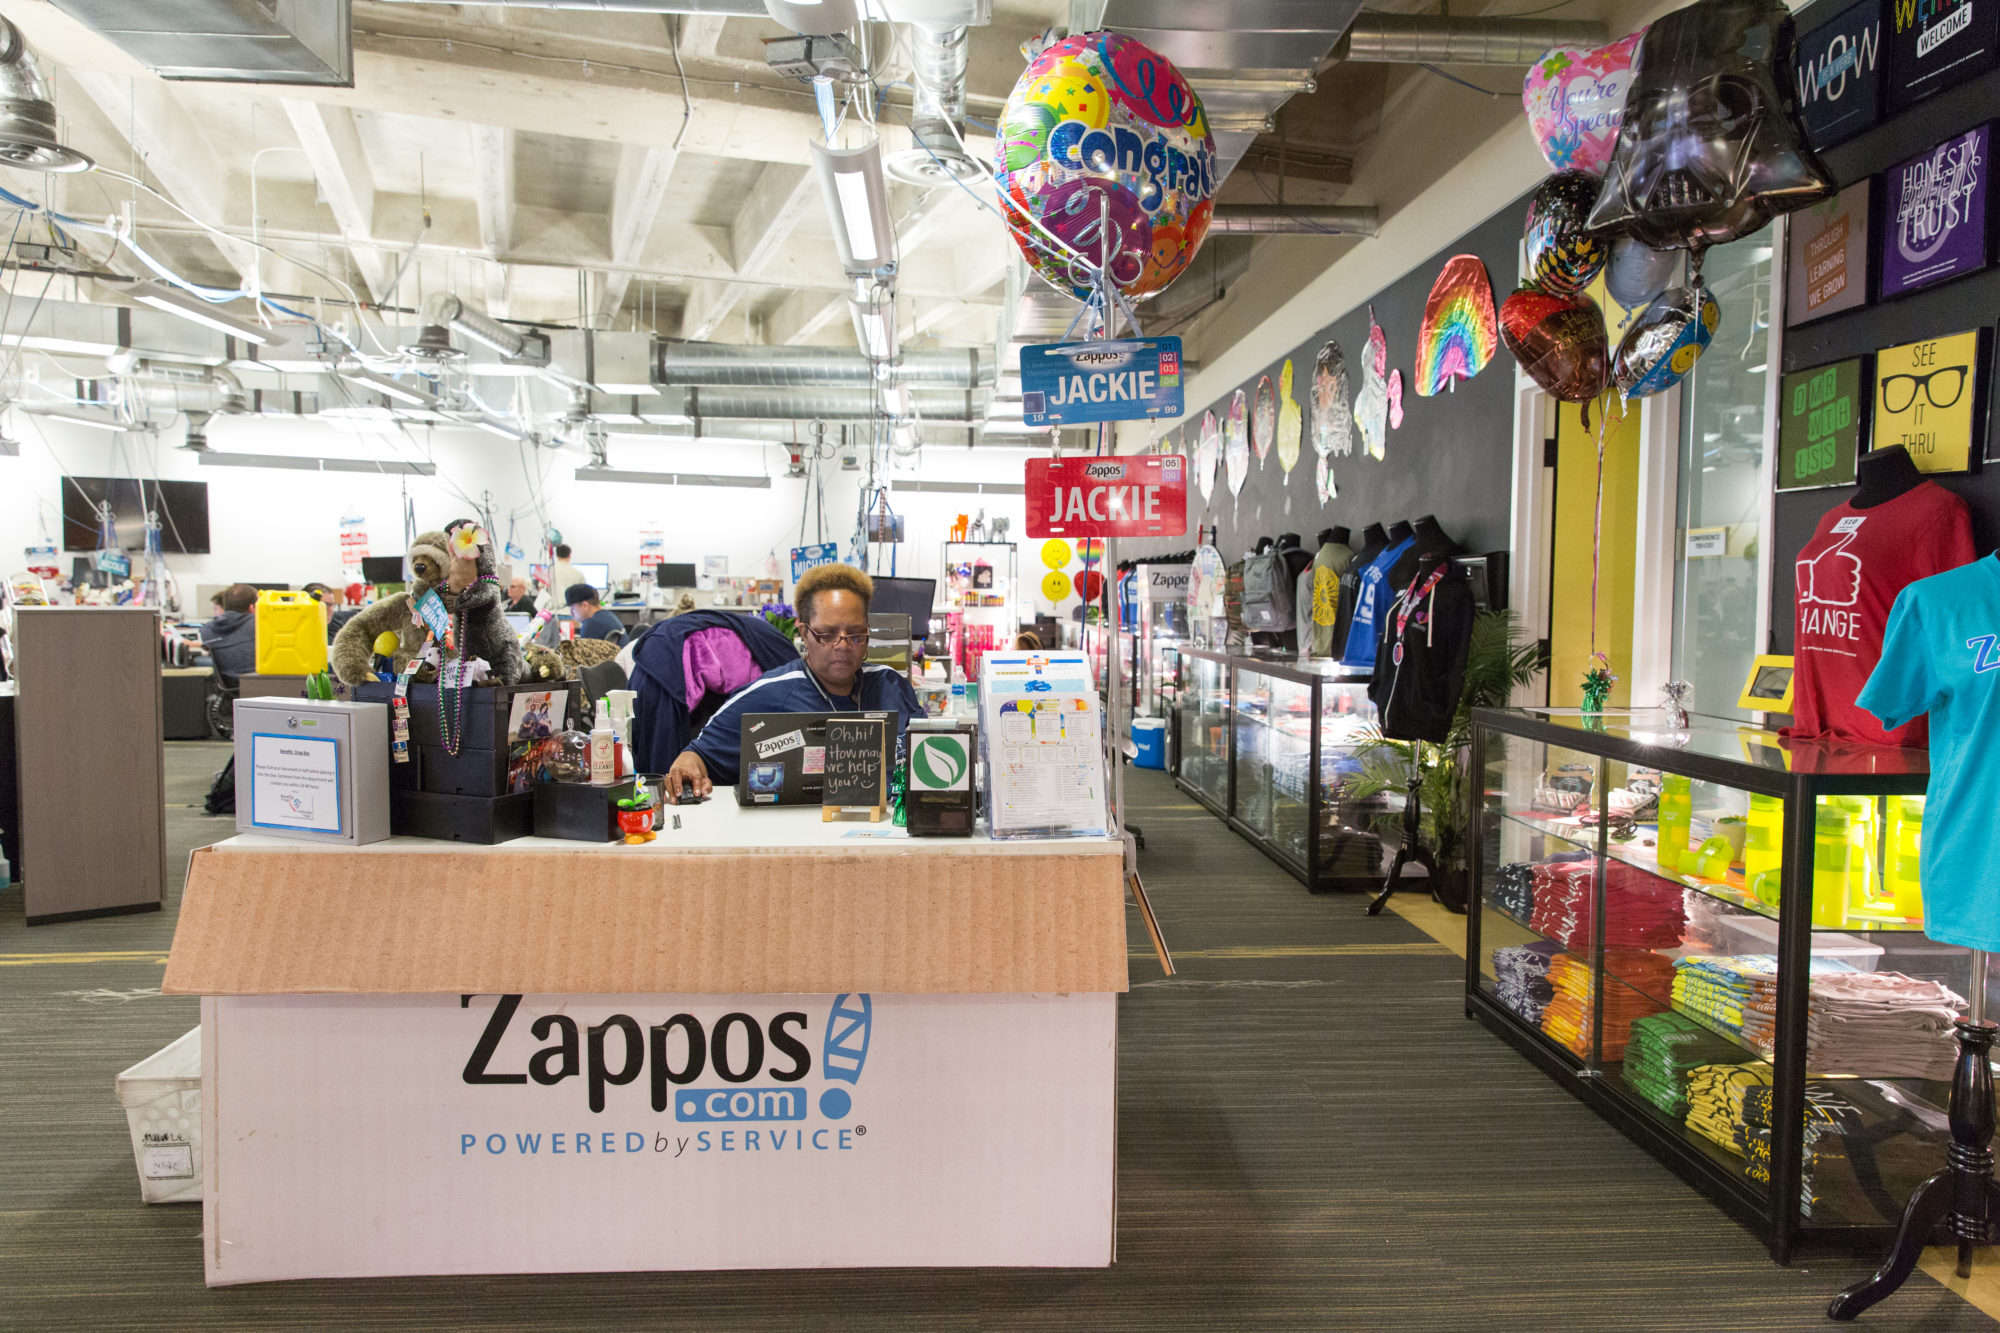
(1833, 577)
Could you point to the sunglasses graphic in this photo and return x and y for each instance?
(1941, 388)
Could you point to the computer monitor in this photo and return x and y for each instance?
(383, 569)
(907, 597)
(518, 621)
(597, 576)
(674, 576)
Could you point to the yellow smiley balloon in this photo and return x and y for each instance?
(1055, 585)
(1055, 553)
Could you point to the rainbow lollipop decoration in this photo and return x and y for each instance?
(1460, 331)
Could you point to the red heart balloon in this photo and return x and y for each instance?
(1559, 341)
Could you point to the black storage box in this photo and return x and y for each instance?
(579, 811)
(478, 819)
(487, 708)
(409, 775)
(468, 773)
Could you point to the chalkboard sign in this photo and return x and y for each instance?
(857, 766)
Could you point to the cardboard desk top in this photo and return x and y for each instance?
(736, 901)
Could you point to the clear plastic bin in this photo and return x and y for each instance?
(162, 1100)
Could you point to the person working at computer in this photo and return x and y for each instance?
(231, 637)
(520, 597)
(832, 604)
(592, 620)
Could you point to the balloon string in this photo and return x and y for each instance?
(1597, 522)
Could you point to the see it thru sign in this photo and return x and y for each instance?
(1107, 497)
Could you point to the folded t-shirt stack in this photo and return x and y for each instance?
(1642, 911)
(1521, 977)
(1736, 995)
(1637, 984)
(1865, 1146)
(1513, 890)
(1881, 1025)
(1715, 1101)
(1663, 1049)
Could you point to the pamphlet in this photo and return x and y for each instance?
(1043, 741)
(295, 783)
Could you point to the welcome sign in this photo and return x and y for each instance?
(1839, 75)
(1935, 225)
(1934, 44)
(1820, 412)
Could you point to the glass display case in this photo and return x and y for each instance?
(1162, 624)
(1270, 747)
(1716, 938)
(981, 604)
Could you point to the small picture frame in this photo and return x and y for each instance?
(1768, 688)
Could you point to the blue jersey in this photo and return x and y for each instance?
(1941, 655)
(792, 689)
(1371, 602)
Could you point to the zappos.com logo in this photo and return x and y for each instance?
(940, 763)
(740, 1068)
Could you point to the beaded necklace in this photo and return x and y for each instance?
(451, 699)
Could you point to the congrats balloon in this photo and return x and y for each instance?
(1710, 148)
(1575, 99)
(1559, 341)
(1104, 144)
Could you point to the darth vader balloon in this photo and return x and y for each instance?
(1710, 148)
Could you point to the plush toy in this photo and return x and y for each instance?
(354, 645)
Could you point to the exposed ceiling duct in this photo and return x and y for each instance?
(803, 367)
(445, 311)
(937, 59)
(792, 403)
(27, 117)
(734, 8)
(1289, 219)
(1418, 39)
(229, 41)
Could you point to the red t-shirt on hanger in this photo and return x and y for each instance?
(1847, 578)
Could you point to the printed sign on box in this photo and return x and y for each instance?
(1827, 249)
(1839, 74)
(1107, 497)
(1925, 396)
(1129, 379)
(1820, 412)
(510, 1134)
(1934, 228)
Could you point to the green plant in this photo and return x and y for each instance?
(1496, 664)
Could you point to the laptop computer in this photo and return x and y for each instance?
(782, 757)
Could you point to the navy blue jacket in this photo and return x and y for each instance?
(663, 721)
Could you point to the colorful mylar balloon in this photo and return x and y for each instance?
(1105, 144)
(1055, 585)
(1559, 341)
(1055, 553)
(1663, 344)
(1564, 254)
(1291, 423)
(1396, 399)
(1236, 442)
(1637, 273)
(1263, 419)
(1207, 454)
(1710, 148)
(1371, 404)
(1333, 418)
(1460, 329)
(1575, 98)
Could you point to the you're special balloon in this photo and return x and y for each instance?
(1575, 99)
(1105, 146)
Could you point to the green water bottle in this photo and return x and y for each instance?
(1676, 814)
(1906, 845)
(1833, 855)
(1763, 836)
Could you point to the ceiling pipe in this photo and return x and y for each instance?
(27, 116)
(681, 363)
(792, 402)
(1286, 219)
(733, 8)
(937, 61)
(1420, 39)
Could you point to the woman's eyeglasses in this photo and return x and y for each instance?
(1940, 387)
(826, 638)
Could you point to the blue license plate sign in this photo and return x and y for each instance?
(1126, 379)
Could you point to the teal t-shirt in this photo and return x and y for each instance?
(1941, 655)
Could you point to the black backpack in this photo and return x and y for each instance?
(221, 799)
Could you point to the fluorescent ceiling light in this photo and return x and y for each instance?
(500, 428)
(298, 463)
(871, 328)
(79, 416)
(857, 201)
(193, 308)
(897, 399)
(383, 384)
(670, 478)
(663, 417)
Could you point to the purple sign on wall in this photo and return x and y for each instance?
(1935, 225)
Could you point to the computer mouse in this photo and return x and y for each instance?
(688, 797)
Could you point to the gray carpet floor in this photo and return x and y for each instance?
(1318, 1141)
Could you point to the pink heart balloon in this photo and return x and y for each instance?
(1575, 99)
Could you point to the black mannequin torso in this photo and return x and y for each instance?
(1338, 536)
(1400, 529)
(1432, 541)
(1883, 475)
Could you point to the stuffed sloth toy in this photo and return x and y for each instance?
(458, 564)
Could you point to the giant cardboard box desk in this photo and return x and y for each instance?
(758, 1042)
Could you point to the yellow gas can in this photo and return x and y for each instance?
(291, 634)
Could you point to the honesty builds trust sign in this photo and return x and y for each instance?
(508, 1133)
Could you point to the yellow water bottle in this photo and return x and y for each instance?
(1864, 894)
(1763, 836)
(1833, 855)
(1906, 845)
(1676, 814)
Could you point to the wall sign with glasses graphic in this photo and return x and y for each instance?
(1928, 399)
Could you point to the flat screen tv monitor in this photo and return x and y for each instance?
(181, 505)
(383, 569)
(906, 597)
(674, 576)
(597, 576)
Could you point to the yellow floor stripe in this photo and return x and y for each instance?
(109, 956)
(1426, 914)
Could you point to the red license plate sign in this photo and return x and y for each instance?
(1107, 497)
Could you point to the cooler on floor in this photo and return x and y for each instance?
(1149, 742)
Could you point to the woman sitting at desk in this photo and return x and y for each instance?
(832, 603)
